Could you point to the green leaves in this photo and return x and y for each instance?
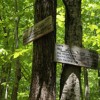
(91, 38)
(19, 52)
(92, 27)
(3, 55)
(3, 51)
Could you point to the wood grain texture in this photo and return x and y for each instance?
(40, 29)
(76, 56)
(73, 36)
(43, 82)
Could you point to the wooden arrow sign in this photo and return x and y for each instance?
(76, 56)
(40, 29)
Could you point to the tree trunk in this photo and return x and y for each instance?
(70, 77)
(99, 75)
(3, 80)
(43, 81)
(17, 61)
(86, 85)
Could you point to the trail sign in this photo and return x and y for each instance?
(76, 56)
(40, 29)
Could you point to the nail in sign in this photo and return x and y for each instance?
(76, 56)
(40, 29)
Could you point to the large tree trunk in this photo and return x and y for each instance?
(43, 81)
(70, 77)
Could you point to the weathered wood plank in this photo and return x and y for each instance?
(40, 29)
(76, 56)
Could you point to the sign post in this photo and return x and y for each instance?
(76, 56)
(40, 29)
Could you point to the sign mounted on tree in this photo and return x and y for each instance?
(40, 29)
(76, 56)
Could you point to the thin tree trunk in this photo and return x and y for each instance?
(70, 77)
(99, 75)
(17, 61)
(3, 80)
(86, 85)
(17, 79)
(43, 83)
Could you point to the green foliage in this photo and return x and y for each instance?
(60, 22)
(3, 56)
(8, 53)
(19, 52)
(91, 39)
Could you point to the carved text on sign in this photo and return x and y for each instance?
(76, 56)
(40, 29)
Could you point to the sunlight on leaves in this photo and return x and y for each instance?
(19, 52)
(92, 27)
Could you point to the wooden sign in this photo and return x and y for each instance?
(76, 56)
(40, 29)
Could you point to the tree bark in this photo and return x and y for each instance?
(70, 77)
(3, 80)
(43, 83)
(99, 75)
(86, 85)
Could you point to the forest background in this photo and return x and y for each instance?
(12, 48)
